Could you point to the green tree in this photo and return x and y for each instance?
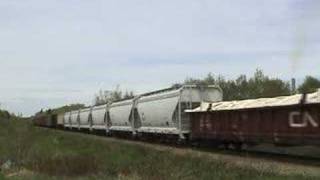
(310, 84)
(258, 86)
(275, 87)
(5, 114)
(128, 95)
(262, 86)
(104, 97)
(63, 109)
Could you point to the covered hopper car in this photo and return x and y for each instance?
(160, 112)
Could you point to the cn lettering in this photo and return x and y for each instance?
(301, 119)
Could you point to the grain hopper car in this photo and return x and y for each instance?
(161, 112)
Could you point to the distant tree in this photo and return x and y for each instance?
(104, 97)
(255, 84)
(189, 81)
(5, 114)
(116, 94)
(177, 85)
(228, 88)
(275, 87)
(63, 109)
(128, 95)
(262, 86)
(310, 84)
(240, 88)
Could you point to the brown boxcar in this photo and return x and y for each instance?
(291, 124)
(46, 120)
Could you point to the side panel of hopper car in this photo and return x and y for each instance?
(98, 117)
(66, 119)
(156, 114)
(293, 125)
(119, 115)
(159, 113)
(74, 119)
(84, 118)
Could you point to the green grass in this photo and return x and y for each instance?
(46, 154)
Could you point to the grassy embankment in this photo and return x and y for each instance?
(35, 153)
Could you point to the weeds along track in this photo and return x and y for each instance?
(285, 164)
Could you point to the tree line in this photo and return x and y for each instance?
(5, 114)
(109, 96)
(63, 109)
(243, 87)
(257, 86)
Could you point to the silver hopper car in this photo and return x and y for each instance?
(161, 112)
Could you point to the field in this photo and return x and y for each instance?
(27, 152)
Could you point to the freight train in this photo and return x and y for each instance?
(197, 114)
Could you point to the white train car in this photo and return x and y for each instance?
(74, 119)
(84, 117)
(119, 114)
(159, 112)
(163, 113)
(66, 120)
(99, 117)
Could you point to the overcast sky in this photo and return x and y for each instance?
(56, 52)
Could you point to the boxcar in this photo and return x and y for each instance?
(46, 120)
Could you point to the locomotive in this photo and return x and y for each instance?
(197, 114)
